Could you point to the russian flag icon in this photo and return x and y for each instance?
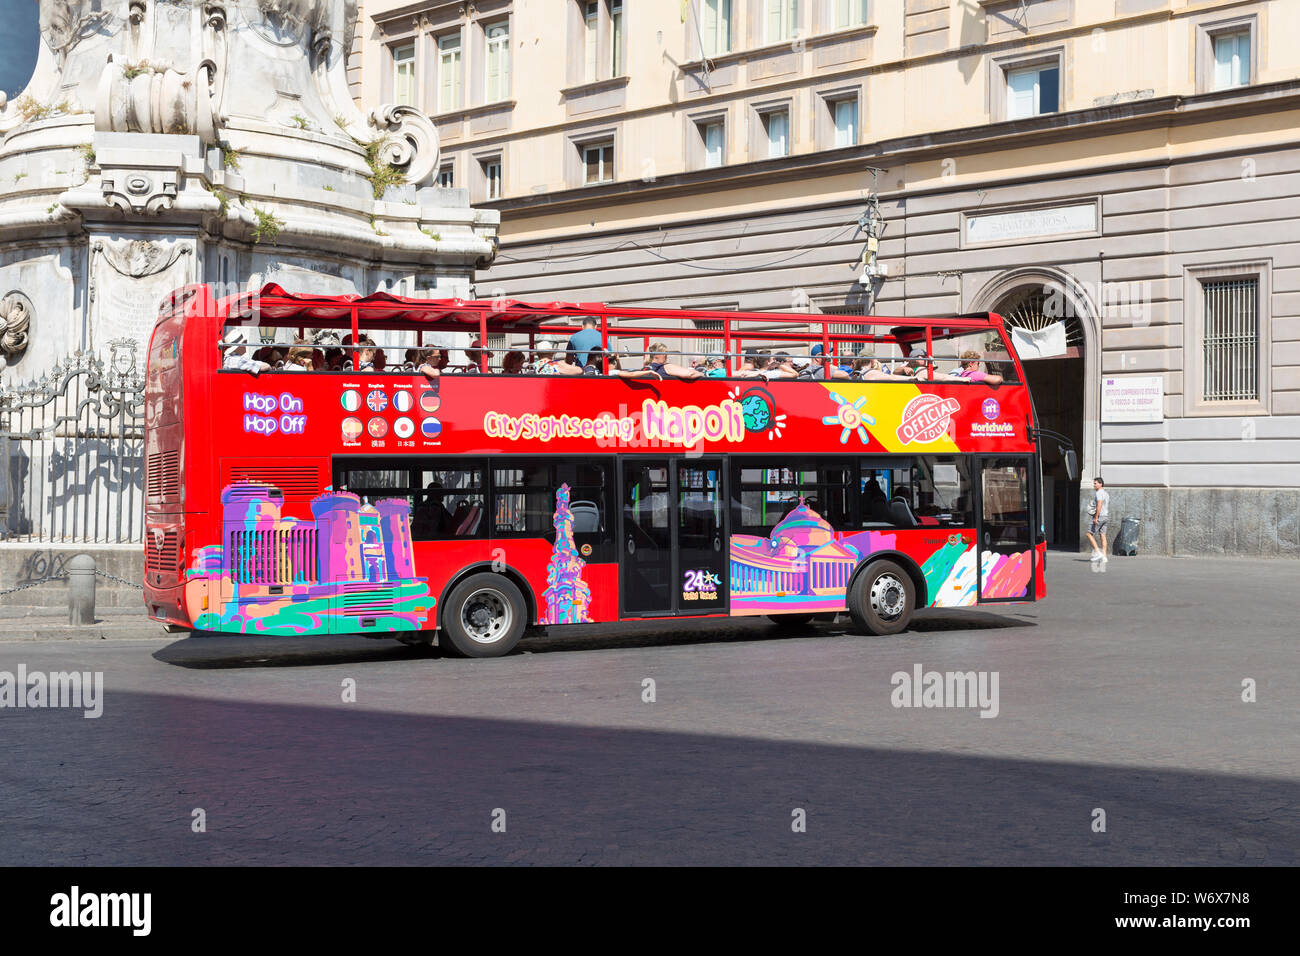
(431, 427)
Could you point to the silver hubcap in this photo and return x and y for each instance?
(486, 616)
(888, 597)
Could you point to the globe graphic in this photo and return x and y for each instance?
(758, 415)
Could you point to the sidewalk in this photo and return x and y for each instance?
(45, 623)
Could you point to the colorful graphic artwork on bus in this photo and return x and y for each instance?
(350, 569)
(567, 596)
(805, 565)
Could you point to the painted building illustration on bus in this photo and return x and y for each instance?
(800, 565)
(567, 598)
(806, 565)
(350, 568)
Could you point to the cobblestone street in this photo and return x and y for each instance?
(1123, 691)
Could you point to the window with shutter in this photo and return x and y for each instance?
(498, 62)
(449, 73)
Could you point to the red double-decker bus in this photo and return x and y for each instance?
(304, 476)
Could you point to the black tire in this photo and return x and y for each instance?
(789, 620)
(882, 599)
(484, 616)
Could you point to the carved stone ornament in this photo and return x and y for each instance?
(410, 141)
(157, 101)
(65, 23)
(140, 258)
(141, 190)
(15, 318)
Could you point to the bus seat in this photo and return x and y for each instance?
(586, 516)
(900, 515)
(468, 524)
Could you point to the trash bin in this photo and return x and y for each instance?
(1126, 542)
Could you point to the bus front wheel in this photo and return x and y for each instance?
(484, 616)
(883, 599)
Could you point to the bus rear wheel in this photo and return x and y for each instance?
(883, 599)
(484, 616)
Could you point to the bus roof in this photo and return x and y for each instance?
(274, 302)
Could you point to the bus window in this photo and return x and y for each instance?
(449, 503)
(446, 501)
(942, 489)
(524, 498)
(763, 496)
(885, 493)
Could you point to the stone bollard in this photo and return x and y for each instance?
(81, 589)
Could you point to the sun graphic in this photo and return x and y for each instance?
(850, 417)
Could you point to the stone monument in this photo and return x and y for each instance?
(162, 142)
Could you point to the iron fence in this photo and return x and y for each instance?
(72, 451)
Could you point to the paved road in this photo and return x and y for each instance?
(1121, 692)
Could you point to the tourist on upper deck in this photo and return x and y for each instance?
(551, 362)
(512, 363)
(299, 358)
(753, 365)
(236, 357)
(585, 339)
(969, 370)
(366, 355)
(782, 366)
(715, 366)
(657, 362)
(873, 370)
(823, 369)
(474, 356)
(432, 362)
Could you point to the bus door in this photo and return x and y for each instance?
(1004, 529)
(673, 552)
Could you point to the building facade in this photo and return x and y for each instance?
(1119, 178)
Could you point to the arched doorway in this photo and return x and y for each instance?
(1061, 356)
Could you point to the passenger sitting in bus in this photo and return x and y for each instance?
(657, 362)
(410, 360)
(236, 357)
(270, 355)
(970, 371)
(715, 366)
(513, 363)
(431, 517)
(299, 358)
(474, 356)
(782, 366)
(753, 365)
(550, 362)
(366, 355)
(873, 370)
(432, 362)
(820, 368)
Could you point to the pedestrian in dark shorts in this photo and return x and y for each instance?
(1100, 511)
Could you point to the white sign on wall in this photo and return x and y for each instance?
(1028, 223)
(1133, 398)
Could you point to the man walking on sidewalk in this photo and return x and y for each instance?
(1100, 511)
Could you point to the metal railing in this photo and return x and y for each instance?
(72, 451)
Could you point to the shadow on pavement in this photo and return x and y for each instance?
(338, 784)
(220, 651)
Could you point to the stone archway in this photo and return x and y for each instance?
(1066, 388)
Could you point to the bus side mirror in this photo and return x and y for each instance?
(1071, 465)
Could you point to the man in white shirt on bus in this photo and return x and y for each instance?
(236, 356)
(1100, 511)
